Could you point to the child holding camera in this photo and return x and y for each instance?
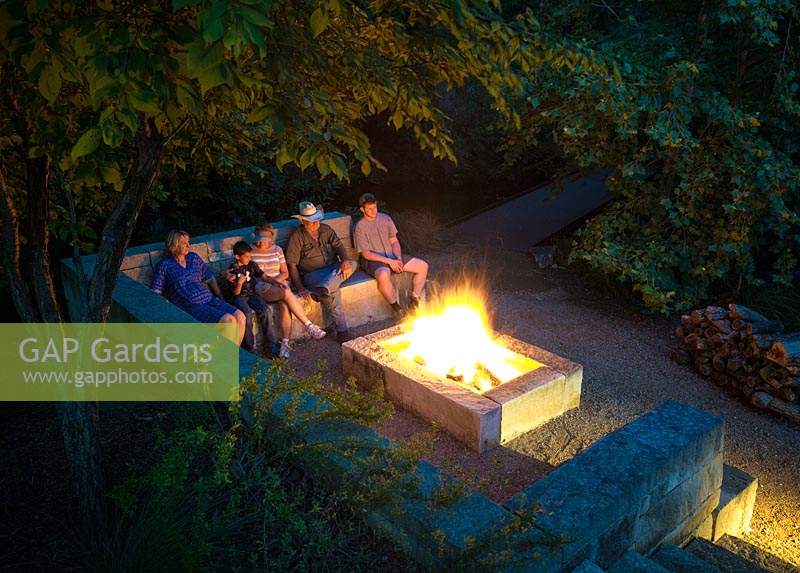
(239, 287)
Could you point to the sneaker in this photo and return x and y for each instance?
(315, 331)
(398, 314)
(284, 351)
(413, 303)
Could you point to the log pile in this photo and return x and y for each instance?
(744, 352)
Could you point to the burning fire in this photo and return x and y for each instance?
(450, 336)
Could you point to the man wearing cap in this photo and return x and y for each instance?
(318, 264)
(381, 256)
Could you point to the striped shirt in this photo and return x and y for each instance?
(269, 261)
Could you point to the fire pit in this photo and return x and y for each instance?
(449, 367)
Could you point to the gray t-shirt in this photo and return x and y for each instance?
(374, 235)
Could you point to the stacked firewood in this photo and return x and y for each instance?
(743, 351)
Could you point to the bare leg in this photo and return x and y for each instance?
(236, 318)
(296, 306)
(385, 286)
(285, 319)
(419, 269)
(241, 319)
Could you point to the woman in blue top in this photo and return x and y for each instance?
(186, 281)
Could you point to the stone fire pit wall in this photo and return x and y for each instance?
(480, 421)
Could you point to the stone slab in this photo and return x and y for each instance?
(735, 510)
(572, 371)
(635, 563)
(528, 401)
(675, 559)
(142, 275)
(761, 558)
(678, 507)
(616, 477)
(135, 260)
(721, 558)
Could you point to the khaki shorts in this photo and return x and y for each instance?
(371, 267)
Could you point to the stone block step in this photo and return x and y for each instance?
(722, 558)
(675, 559)
(633, 562)
(767, 561)
(737, 499)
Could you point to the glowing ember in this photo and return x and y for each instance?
(450, 336)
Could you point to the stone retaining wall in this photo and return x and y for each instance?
(656, 480)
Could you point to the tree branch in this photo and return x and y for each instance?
(10, 249)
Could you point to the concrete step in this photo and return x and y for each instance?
(677, 560)
(722, 558)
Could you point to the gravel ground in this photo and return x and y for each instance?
(627, 371)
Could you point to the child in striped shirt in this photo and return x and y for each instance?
(275, 288)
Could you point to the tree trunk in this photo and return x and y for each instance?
(122, 220)
(33, 294)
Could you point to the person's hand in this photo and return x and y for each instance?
(396, 266)
(229, 276)
(345, 269)
(241, 279)
(304, 293)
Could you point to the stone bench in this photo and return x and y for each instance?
(362, 301)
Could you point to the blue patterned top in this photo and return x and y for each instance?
(183, 286)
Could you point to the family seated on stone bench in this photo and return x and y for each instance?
(316, 260)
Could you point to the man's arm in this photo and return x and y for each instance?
(297, 281)
(347, 266)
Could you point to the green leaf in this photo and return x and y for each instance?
(397, 118)
(213, 20)
(338, 167)
(87, 143)
(211, 78)
(200, 57)
(321, 162)
(319, 21)
(255, 17)
(188, 99)
(112, 134)
(260, 114)
(306, 159)
(283, 157)
(366, 167)
(111, 175)
(50, 83)
(129, 118)
(144, 101)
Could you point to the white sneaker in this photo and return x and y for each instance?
(315, 331)
(285, 350)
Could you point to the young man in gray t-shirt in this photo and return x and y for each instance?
(376, 241)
